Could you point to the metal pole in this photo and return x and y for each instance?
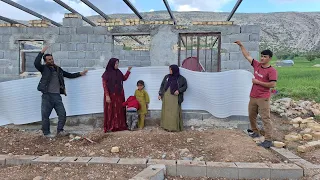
(97, 10)
(169, 10)
(16, 5)
(132, 8)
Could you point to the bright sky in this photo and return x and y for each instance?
(52, 10)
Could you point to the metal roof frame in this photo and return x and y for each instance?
(97, 10)
(16, 5)
(169, 11)
(133, 8)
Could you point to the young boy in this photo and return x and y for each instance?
(132, 115)
(265, 77)
(143, 98)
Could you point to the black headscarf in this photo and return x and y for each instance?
(114, 77)
(173, 79)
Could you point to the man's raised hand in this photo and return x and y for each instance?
(44, 49)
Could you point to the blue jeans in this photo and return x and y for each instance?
(52, 101)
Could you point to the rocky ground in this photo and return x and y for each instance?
(153, 142)
(68, 171)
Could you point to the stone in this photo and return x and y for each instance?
(309, 146)
(103, 160)
(56, 169)
(191, 168)
(292, 137)
(92, 154)
(67, 145)
(316, 128)
(296, 125)
(115, 149)
(189, 140)
(2, 160)
(184, 151)
(222, 170)
(133, 161)
(278, 144)
(38, 178)
(171, 165)
(316, 135)
(253, 170)
(307, 137)
(297, 120)
(285, 171)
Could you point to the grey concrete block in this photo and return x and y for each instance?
(20, 159)
(40, 30)
(171, 165)
(103, 160)
(85, 30)
(95, 38)
(101, 47)
(84, 47)
(12, 55)
(108, 39)
(225, 56)
(236, 56)
(286, 171)
(60, 55)
(144, 53)
(18, 30)
(153, 172)
(145, 63)
(245, 65)
(83, 38)
(133, 161)
(99, 30)
(1, 54)
(63, 39)
(5, 38)
(251, 46)
(69, 46)
(55, 47)
(129, 58)
(142, 58)
(240, 37)
(67, 30)
(230, 65)
(69, 63)
(5, 30)
(191, 115)
(225, 39)
(124, 63)
(86, 63)
(254, 54)
(230, 47)
(191, 168)
(77, 55)
(253, 170)
(72, 22)
(3, 160)
(93, 55)
(120, 57)
(250, 29)
(206, 115)
(222, 170)
(4, 46)
(135, 63)
(284, 153)
(255, 37)
(12, 70)
(77, 160)
(48, 159)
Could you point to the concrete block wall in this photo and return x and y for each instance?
(76, 47)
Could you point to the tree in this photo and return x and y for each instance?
(310, 57)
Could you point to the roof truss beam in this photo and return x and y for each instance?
(133, 8)
(169, 11)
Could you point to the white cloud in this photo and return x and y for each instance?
(196, 5)
(151, 10)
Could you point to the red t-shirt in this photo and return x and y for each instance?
(267, 74)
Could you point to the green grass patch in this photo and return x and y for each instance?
(301, 81)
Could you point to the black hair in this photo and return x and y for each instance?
(267, 52)
(140, 82)
(46, 55)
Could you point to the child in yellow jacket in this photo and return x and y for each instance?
(143, 97)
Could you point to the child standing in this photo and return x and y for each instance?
(143, 98)
(132, 106)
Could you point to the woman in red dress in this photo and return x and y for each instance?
(114, 112)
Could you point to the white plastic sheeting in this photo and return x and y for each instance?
(222, 94)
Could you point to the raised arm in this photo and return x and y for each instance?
(37, 61)
(126, 76)
(244, 52)
(74, 75)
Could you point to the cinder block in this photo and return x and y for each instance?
(144, 53)
(222, 170)
(1, 54)
(63, 39)
(41, 30)
(86, 63)
(240, 37)
(225, 56)
(284, 153)
(48, 159)
(225, 39)
(84, 47)
(77, 55)
(171, 165)
(230, 65)
(5, 38)
(100, 30)
(85, 30)
(12, 55)
(245, 65)
(253, 170)
(20, 159)
(103, 160)
(96, 38)
(153, 172)
(286, 171)
(191, 115)
(250, 29)
(93, 55)
(12, 70)
(206, 115)
(133, 161)
(72, 22)
(60, 55)
(69, 63)
(191, 168)
(76, 159)
(236, 56)
(108, 39)
(101, 47)
(18, 30)
(55, 47)
(255, 37)
(251, 46)
(234, 29)
(69, 47)
(142, 58)
(230, 47)
(130, 58)
(83, 38)
(67, 30)
(5, 30)
(3, 160)
(145, 63)
(255, 54)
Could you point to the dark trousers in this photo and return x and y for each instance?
(132, 119)
(52, 101)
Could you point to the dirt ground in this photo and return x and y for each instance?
(282, 128)
(68, 171)
(211, 145)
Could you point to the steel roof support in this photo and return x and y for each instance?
(132, 8)
(169, 11)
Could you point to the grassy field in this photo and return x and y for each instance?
(301, 81)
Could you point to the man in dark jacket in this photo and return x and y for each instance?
(52, 85)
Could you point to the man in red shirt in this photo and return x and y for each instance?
(265, 77)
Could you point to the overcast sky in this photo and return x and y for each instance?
(54, 11)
